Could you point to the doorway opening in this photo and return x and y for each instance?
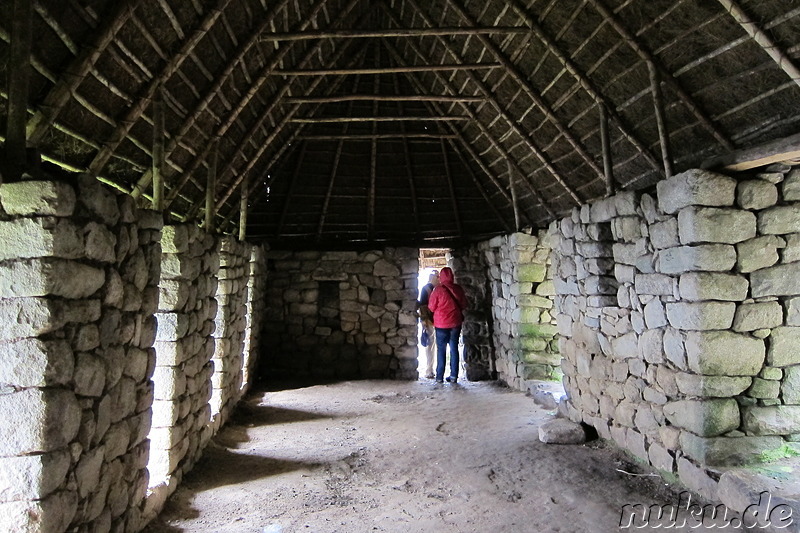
(430, 260)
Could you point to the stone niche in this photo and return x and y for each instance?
(509, 331)
(341, 314)
(679, 319)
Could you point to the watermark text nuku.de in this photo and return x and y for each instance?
(685, 513)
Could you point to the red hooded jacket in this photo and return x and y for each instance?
(447, 301)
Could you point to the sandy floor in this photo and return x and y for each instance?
(366, 456)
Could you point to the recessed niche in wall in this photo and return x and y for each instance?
(329, 305)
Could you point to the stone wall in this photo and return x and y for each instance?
(678, 318)
(229, 333)
(78, 287)
(516, 341)
(342, 314)
(182, 377)
(254, 316)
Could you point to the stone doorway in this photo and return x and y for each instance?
(430, 259)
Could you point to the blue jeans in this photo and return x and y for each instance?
(445, 337)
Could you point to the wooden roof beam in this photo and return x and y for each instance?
(412, 187)
(511, 122)
(393, 32)
(386, 70)
(587, 85)
(292, 185)
(323, 120)
(382, 98)
(19, 61)
(665, 76)
(763, 40)
(78, 69)
(530, 92)
(451, 188)
(378, 136)
(332, 180)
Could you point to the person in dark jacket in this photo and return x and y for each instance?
(426, 317)
(447, 303)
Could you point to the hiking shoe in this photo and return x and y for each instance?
(451, 379)
(440, 381)
(429, 376)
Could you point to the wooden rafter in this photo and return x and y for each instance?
(211, 186)
(585, 84)
(373, 156)
(158, 151)
(605, 142)
(762, 39)
(395, 32)
(213, 92)
(375, 118)
(381, 98)
(135, 111)
(18, 86)
(661, 119)
(78, 70)
(452, 190)
(522, 81)
(265, 73)
(385, 70)
(412, 186)
(503, 112)
(374, 136)
(665, 76)
(331, 181)
(292, 184)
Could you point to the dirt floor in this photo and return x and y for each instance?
(364, 456)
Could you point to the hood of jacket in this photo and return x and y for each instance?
(446, 276)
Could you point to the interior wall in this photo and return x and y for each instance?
(509, 332)
(110, 353)
(341, 314)
(678, 317)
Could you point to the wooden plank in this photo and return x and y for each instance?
(385, 70)
(322, 120)
(779, 151)
(382, 98)
(399, 32)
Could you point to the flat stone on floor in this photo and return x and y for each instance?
(561, 431)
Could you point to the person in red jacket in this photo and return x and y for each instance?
(447, 303)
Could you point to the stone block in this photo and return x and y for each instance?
(651, 346)
(654, 284)
(708, 224)
(779, 280)
(764, 315)
(790, 386)
(779, 220)
(701, 315)
(791, 252)
(695, 187)
(51, 514)
(100, 243)
(655, 315)
(756, 194)
(38, 198)
(711, 386)
(100, 201)
(791, 186)
(727, 451)
(697, 479)
(707, 418)
(757, 253)
(723, 353)
(783, 347)
(764, 389)
(34, 362)
(706, 257)
(661, 458)
(695, 286)
(531, 272)
(32, 477)
(40, 237)
(774, 420)
(38, 420)
(792, 311)
(49, 276)
(90, 375)
(561, 431)
(29, 317)
(665, 234)
(174, 239)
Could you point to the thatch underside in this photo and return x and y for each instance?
(401, 121)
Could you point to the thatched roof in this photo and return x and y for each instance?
(299, 102)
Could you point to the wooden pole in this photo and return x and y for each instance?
(158, 151)
(384, 70)
(605, 141)
(382, 98)
(399, 32)
(369, 137)
(19, 61)
(211, 187)
(245, 193)
(514, 202)
(323, 120)
(661, 122)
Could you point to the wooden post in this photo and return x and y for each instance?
(605, 141)
(661, 122)
(514, 202)
(19, 61)
(245, 192)
(158, 152)
(211, 187)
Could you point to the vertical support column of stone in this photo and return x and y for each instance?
(472, 266)
(76, 342)
(230, 322)
(254, 315)
(401, 335)
(182, 385)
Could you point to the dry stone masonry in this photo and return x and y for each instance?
(679, 319)
(254, 315)
(342, 314)
(79, 269)
(518, 343)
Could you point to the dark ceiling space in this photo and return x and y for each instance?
(400, 122)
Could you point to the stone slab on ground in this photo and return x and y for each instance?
(548, 394)
(561, 431)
